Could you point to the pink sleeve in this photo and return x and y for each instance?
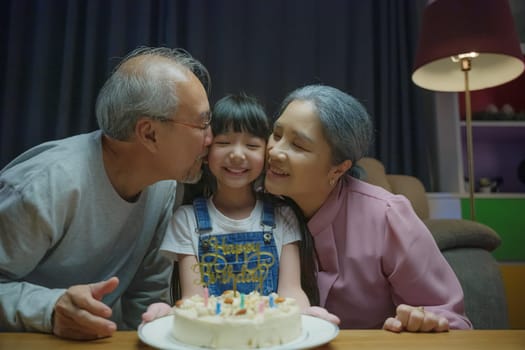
(416, 269)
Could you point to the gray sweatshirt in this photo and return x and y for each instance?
(62, 223)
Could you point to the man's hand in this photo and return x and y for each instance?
(320, 312)
(156, 310)
(415, 319)
(80, 314)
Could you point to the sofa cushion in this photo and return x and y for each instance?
(413, 189)
(480, 278)
(457, 233)
(375, 172)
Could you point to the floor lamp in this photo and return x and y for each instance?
(467, 45)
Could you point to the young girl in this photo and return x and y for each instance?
(233, 238)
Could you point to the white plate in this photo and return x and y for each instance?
(316, 332)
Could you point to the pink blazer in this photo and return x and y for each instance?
(374, 253)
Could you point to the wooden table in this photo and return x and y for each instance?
(347, 339)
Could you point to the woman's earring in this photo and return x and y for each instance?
(332, 182)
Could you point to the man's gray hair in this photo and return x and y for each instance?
(131, 93)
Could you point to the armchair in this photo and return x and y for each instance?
(465, 244)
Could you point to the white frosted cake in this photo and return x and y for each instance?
(239, 322)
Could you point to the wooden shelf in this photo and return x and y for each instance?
(496, 123)
(496, 132)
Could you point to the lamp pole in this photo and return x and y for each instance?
(466, 65)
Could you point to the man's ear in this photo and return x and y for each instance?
(146, 134)
(340, 169)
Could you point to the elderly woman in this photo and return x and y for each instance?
(377, 263)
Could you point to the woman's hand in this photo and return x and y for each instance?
(320, 312)
(415, 319)
(155, 311)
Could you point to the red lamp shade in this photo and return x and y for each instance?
(453, 27)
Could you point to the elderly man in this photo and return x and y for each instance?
(81, 219)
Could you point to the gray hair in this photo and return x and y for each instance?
(346, 124)
(144, 90)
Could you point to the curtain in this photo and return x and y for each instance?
(58, 53)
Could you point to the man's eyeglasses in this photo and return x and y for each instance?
(205, 122)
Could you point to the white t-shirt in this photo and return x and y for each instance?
(182, 237)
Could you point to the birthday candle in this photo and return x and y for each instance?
(270, 299)
(206, 296)
(261, 307)
(217, 308)
(242, 300)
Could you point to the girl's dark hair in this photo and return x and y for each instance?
(306, 247)
(237, 113)
(240, 113)
(306, 256)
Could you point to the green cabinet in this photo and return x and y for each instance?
(506, 216)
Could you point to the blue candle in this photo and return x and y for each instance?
(272, 304)
(217, 308)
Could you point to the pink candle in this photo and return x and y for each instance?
(206, 296)
(261, 307)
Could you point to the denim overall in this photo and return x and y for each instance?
(249, 257)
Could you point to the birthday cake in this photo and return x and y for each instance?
(236, 321)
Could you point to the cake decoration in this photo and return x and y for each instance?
(234, 320)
